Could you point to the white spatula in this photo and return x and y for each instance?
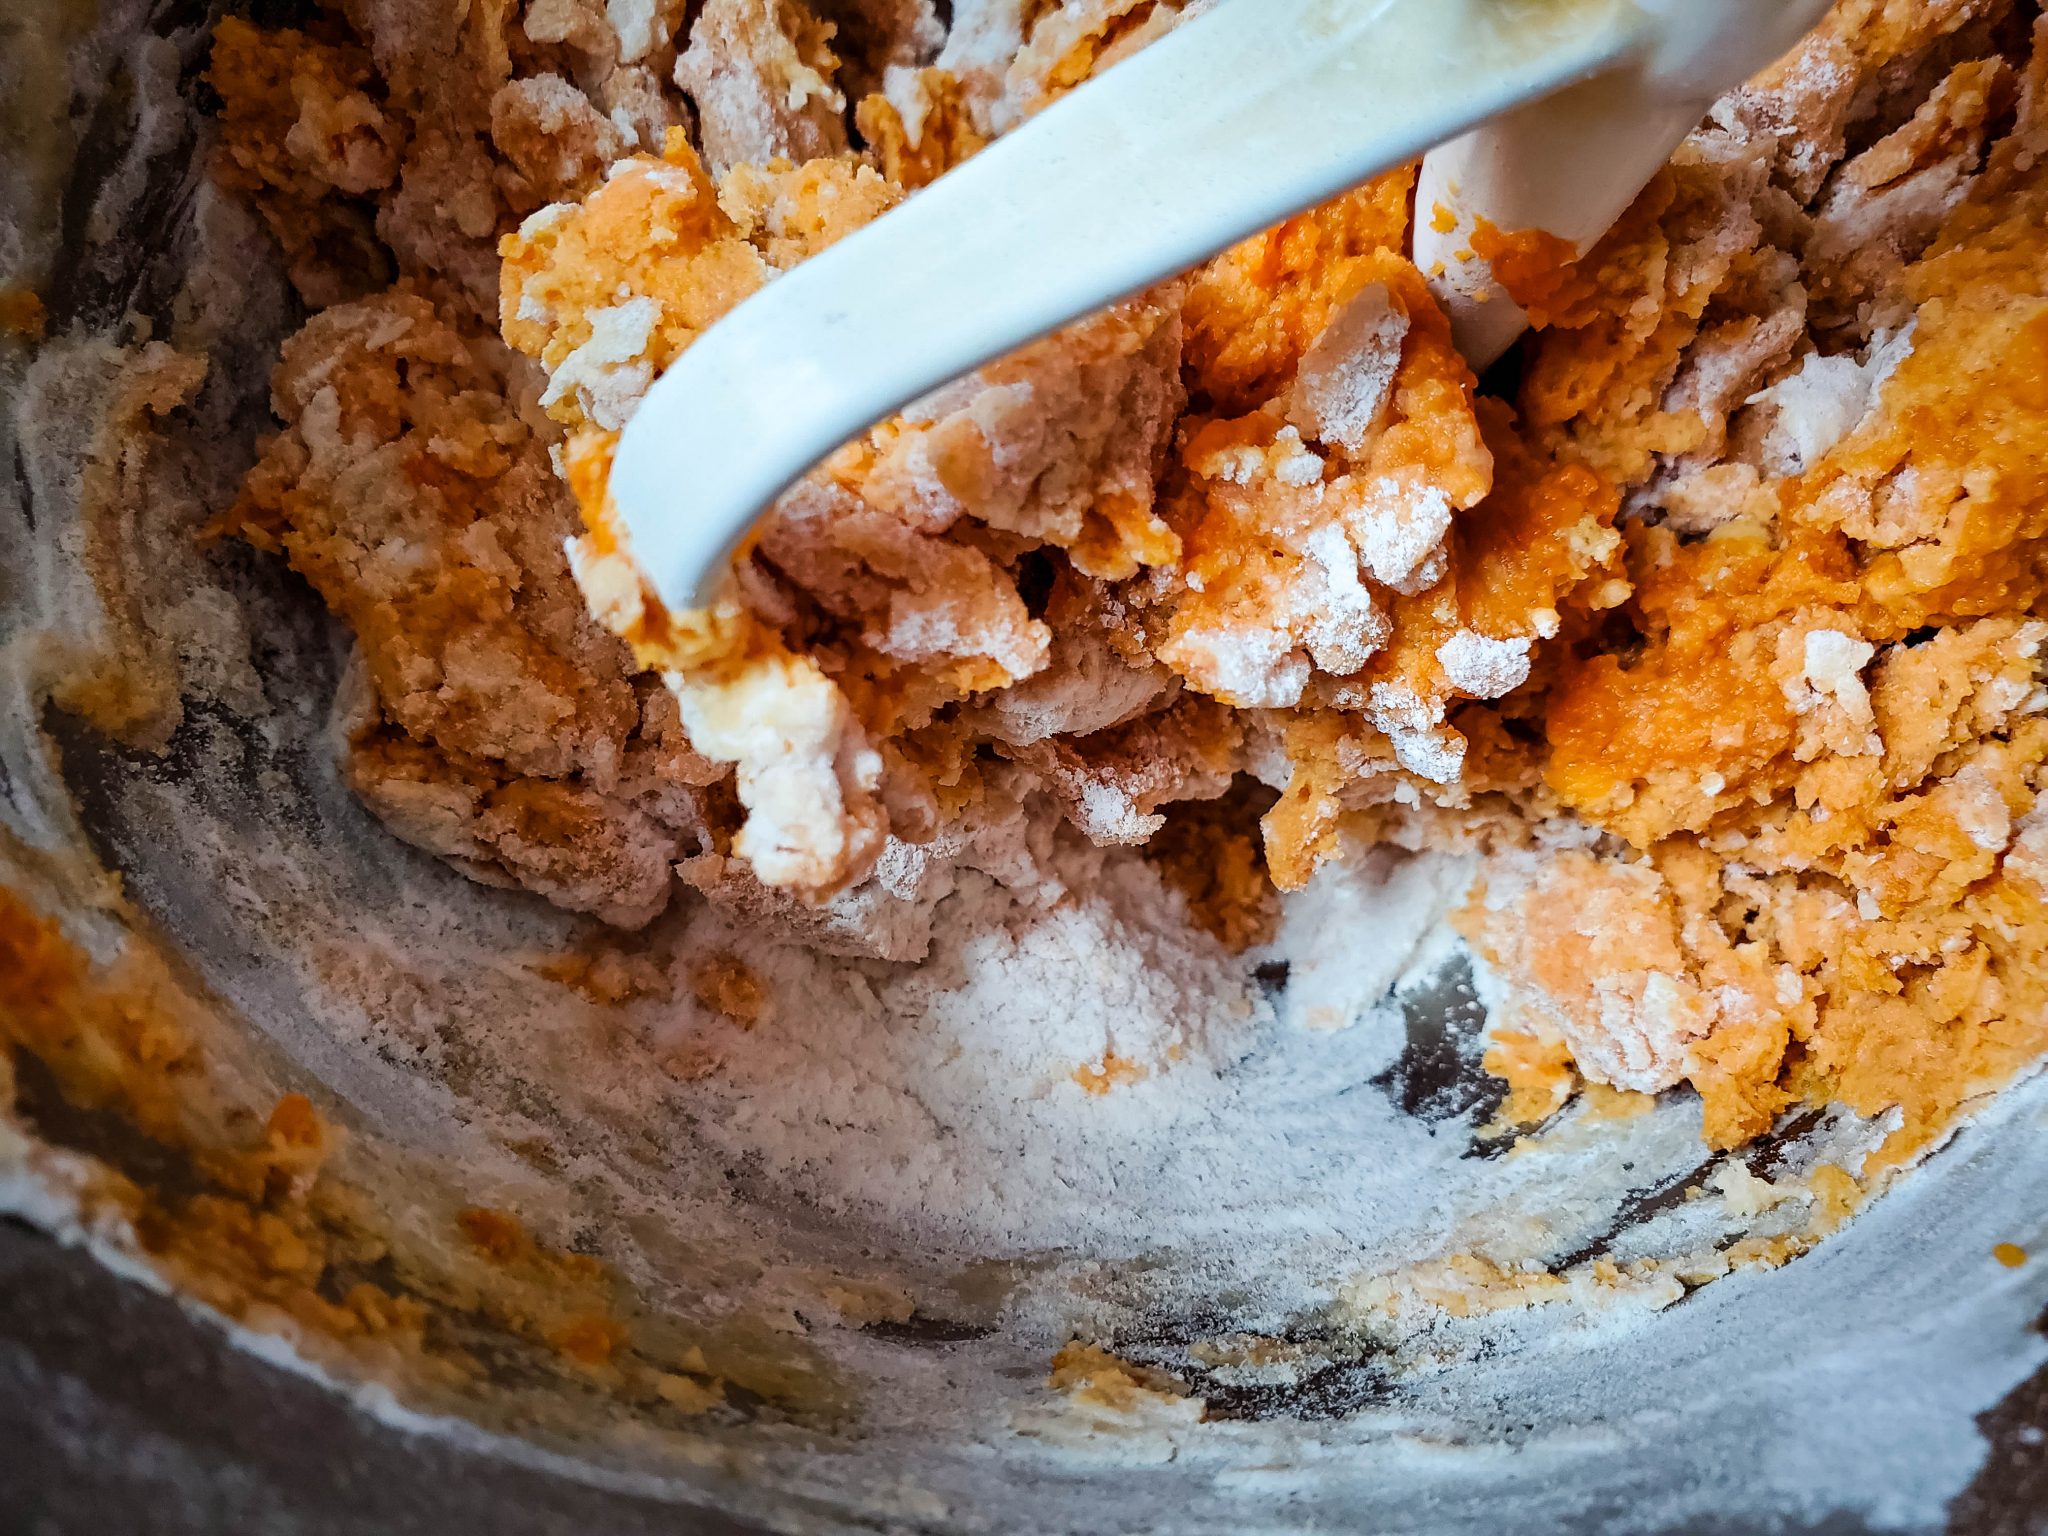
(1245, 114)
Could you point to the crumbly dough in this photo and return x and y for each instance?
(1713, 623)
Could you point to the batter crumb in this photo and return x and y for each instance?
(1112, 1072)
(1096, 1379)
(724, 983)
(22, 312)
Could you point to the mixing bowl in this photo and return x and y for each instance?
(370, 1221)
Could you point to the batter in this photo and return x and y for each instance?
(1710, 622)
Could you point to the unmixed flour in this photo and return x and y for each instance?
(1093, 1070)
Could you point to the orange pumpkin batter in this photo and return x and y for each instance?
(1715, 628)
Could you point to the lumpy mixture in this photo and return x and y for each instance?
(1708, 622)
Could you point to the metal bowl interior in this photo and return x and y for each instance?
(789, 1360)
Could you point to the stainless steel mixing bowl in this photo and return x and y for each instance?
(1891, 1380)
